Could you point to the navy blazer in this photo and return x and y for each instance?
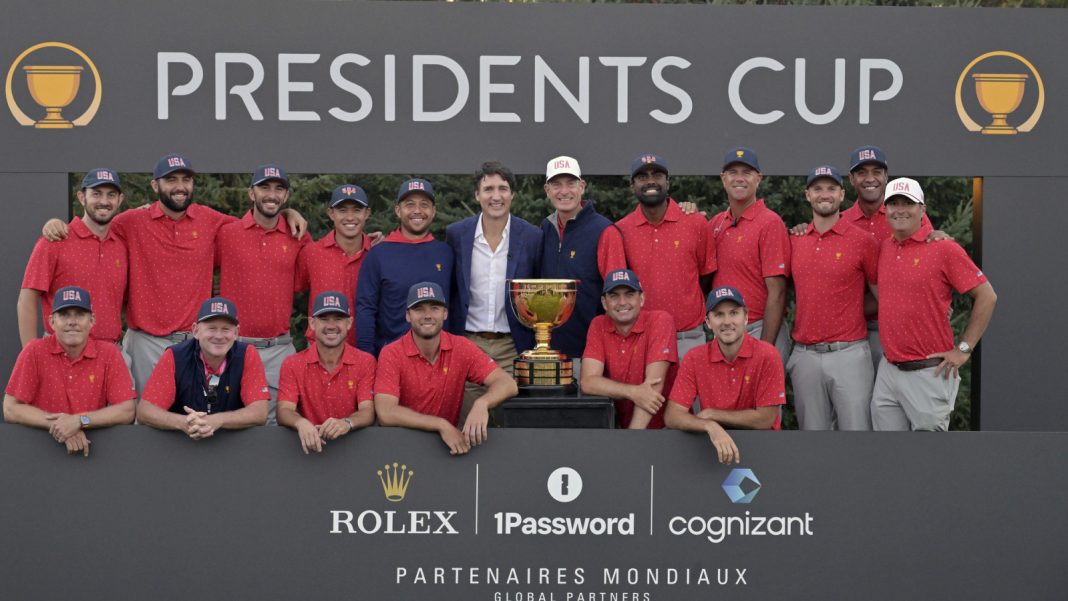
(524, 258)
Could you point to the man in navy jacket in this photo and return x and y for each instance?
(489, 249)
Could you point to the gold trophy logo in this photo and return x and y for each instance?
(543, 305)
(1000, 94)
(53, 87)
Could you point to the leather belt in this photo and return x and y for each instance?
(490, 335)
(827, 347)
(268, 342)
(917, 365)
(178, 336)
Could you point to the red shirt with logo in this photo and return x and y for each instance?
(651, 339)
(754, 379)
(325, 267)
(669, 258)
(875, 225)
(160, 389)
(748, 249)
(831, 271)
(257, 271)
(45, 377)
(86, 261)
(916, 284)
(431, 389)
(321, 394)
(171, 265)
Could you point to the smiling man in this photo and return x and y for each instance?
(408, 255)
(738, 378)
(68, 382)
(420, 379)
(207, 383)
(916, 386)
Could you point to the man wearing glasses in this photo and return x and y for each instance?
(210, 382)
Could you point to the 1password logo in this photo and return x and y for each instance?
(565, 484)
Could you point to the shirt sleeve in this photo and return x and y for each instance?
(387, 374)
(120, 387)
(706, 250)
(41, 266)
(871, 260)
(774, 250)
(662, 344)
(288, 380)
(365, 384)
(367, 304)
(611, 255)
(594, 340)
(959, 269)
(24, 377)
(253, 378)
(684, 390)
(160, 390)
(479, 364)
(301, 279)
(771, 380)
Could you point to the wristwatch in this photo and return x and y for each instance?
(964, 347)
(351, 426)
(84, 419)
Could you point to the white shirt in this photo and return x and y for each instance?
(486, 310)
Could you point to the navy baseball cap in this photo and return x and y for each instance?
(266, 173)
(823, 172)
(71, 296)
(349, 192)
(425, 292)
(217, 307)
(330, 302)
(101, 176)
(741, 155)
(415, 185)
(867, 154)
(170, 163)
(648, 160)
(723, 293)
(621, 277)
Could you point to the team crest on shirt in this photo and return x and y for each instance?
(915, 262)
(195, 234)
(92, 378)
(445, 370)
(438, 265)
(572, 254)
(118, 263)
(747, 379)
(838, 255)
(676, 244)
(351, 384)
(285, 248)
(739, 238)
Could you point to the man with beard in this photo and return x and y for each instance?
(489, 249)
(408, 255)
(208, 383)
(832, 265)
(333, 262)
(257, 260)
(171, 250)
(420, 379)
(673, 253)
(753, 249)
(93, 258)
(326, 391)
(68, 382)
(738, 378)
(630, 353)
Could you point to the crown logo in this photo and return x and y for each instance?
(739, 153)
(395, 483)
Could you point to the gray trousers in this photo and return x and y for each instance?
(688, 340)
(876, 344)
(144, 351)
(912, 400)
(272, 357)
(782, 341)
(832, 390)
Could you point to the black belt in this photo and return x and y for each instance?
(490, 335)
(917, 365)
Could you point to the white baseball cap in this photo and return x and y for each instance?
(562, 165)
(903, 186)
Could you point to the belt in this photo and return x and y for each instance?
(268, 342)
(827, 347)
(917, 365)
(178, 336)
(490, 335)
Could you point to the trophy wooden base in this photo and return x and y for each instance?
(544, 376)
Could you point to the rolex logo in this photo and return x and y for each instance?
(395, 482)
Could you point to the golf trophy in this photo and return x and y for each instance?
(543, 305)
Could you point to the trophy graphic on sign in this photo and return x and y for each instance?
(543, 305)
(53, 87)
(999, 94)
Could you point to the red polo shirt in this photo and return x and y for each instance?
(160, 389)
(436, 389)
(321, 394)
(257, 270)
(669, 258)
(916, 283)
(324, 267)
(754, 379)
(85, 261)
(749, 249)
(171, 264)
(47, 379)
(875, 225)
(611, 253)
(831, 272)
(651, 339)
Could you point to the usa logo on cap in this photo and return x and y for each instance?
(348, 190)
(425, 292)
(415, 185)
(105, 175)
(175, 162)
(331, 300)
(271, 172)
(217, 307)
(71, 295)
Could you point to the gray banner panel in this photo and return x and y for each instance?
(437, 87)
(246, 515)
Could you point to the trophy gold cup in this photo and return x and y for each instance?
(999, 94)
(543, 305)
(53, 87)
